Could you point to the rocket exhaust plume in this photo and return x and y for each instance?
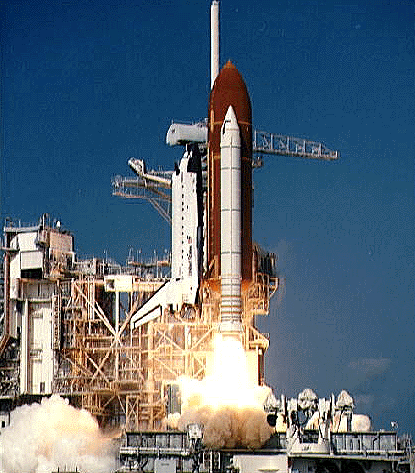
(227, 403)
(54, 435)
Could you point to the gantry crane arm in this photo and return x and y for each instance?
(283, 145)
(153, 186)
(160, 179)
(137, 188)
(263, 142)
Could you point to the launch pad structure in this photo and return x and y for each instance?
(66, 330)
(115, 339)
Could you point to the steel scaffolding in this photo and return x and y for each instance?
(123, 375)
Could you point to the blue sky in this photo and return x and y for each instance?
(86, 85)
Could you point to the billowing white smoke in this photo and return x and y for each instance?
(44, 437)
(229, 426)
(227, 403)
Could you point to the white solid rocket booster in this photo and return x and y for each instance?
(230, 215)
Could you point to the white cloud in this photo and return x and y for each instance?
(370, 367)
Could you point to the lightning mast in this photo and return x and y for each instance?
(214, 42)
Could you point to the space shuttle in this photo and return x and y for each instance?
(212, 232)
(227, 238)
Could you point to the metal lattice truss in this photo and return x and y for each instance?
(138, 188)
(96, 360)
(283, 145)
(122, 373)
(155, 186)
(125, 372)
(9, 371)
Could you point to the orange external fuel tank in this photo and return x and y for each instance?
(229, 89)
